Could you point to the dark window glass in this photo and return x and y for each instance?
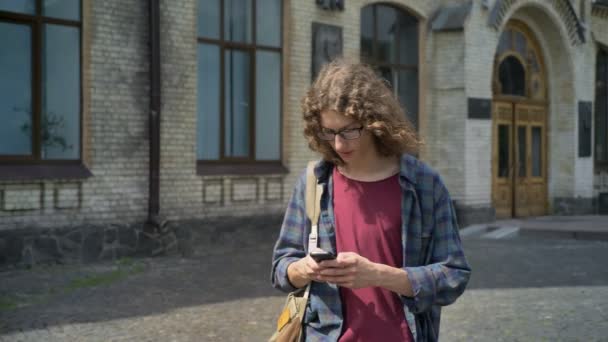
(209, 18)
(208, 138)
(238, 17)
(367, 33)
(537, 156)
(18, 6)
(60, 93)
(239, 80)
(512, 77)
(389, 41)
(237, 103)
(64, 9)
(15, 90)
(503, 150)
(601, 108)
(268, 19)
(407, 36)
(40, 83)
(386, 26)
(505, 42)
(268, 105)
(521, 150)
(520, 43)
(407, 89)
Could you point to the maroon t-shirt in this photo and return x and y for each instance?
(368, 222)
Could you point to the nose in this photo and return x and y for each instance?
(340, 143)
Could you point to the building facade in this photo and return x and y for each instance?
(510, 96)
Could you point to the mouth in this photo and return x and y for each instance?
(345, 154)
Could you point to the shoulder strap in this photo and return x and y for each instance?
(313, 203)
(313, 210)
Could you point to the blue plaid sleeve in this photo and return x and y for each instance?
(445, 277)
(290, 244)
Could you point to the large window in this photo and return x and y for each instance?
(389, 42)
(40, 82)
(601, 110)
(239, 81)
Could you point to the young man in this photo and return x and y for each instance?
(386, 215)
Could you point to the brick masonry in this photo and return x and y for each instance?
(457, 65)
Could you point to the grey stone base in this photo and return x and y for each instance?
(468, 215)
(86, 244)
(574, 206)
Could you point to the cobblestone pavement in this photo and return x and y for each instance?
(521, 290)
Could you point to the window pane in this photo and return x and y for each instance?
(268, 22)
(537, 158)
(209, 18)
(503, 151)
(237, 20)
(512, 77)
(61, 93)
(407, 91)
(520, 43)
(505, 42)
(15, 90)
(19, 6)
(268, 106)
(64, 9)
(208, 102)
(236, 80)
(387, 33)
(389, 75)
(367, 32)
(601, 108)
(521, 150)
(408, 39)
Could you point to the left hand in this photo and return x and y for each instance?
(349, 270)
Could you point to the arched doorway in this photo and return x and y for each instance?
(519, 124)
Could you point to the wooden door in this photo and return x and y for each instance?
(502, 159)
(534, 189)
(519, 161)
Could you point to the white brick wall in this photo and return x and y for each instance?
(458, 66)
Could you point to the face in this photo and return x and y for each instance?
(350, 150)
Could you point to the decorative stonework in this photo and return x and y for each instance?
(576, 31)
(21, 197)
(213, 191)
(67, 196)
(274, 189)
(244, 190)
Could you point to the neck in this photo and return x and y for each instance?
(373, 168)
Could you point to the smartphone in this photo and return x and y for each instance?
(320, 255)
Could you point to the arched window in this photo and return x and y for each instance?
(518, 67)
(512, 76)
(389, 42)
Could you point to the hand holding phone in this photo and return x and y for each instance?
(319, 255)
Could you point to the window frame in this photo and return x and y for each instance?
(30, 167)
(234, 165)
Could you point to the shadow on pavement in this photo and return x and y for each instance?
(231, 265)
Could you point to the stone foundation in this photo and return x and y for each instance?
(89, 243)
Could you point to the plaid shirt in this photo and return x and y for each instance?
(432, 252)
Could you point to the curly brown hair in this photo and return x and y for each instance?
(356, 91)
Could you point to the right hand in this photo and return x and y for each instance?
(304, 271)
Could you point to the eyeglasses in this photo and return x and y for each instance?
(347, 134)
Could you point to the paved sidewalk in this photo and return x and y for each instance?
(521, 289)
(591, 227)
